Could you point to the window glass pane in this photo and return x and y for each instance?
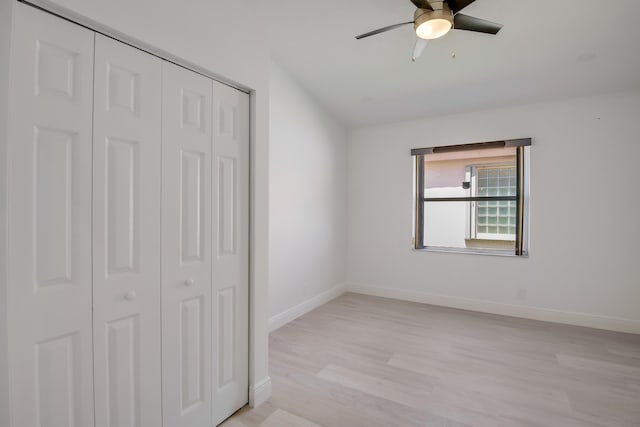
(445, 224)
(504, 216)
(500, 181)
(486, 224)
(504, 177)
(446, 178)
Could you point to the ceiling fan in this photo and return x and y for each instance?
(433, 19)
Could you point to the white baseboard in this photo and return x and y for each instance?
(292, 313)
(260, 393)
(536, 313)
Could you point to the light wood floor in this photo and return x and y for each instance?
(367, 361)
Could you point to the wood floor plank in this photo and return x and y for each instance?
(486, 386)
(362, 361)
(281, 418)
(597, 365)
(408, 396)
(333, 405)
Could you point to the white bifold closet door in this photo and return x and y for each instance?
(186, 247)
(230, 250)
(128, 208)
(49, 257)
(126, 236)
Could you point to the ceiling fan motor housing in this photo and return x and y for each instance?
(440, 15)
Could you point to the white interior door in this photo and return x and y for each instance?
(126, 236)
(49, 257)
(186, 247)
(230, 250)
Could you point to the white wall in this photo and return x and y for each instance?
(228, 40)
(307, 205)
(585, 204)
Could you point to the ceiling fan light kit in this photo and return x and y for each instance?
(433, 24)
(433, 19)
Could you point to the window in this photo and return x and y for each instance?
(494, 220)
(473, 198)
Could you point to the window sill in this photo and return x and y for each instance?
(482, 240)
(472, 251)
(490, 245)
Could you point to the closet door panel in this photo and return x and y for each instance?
(126, 229)
(49, 279)
(230, 250)
(186, 247)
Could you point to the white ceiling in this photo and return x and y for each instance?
(546, 50)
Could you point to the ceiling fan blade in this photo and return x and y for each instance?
(382, 30)
(470, 23)
(419, 48)
(457, 5)
(422, 4)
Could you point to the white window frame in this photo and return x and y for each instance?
(472, 212)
